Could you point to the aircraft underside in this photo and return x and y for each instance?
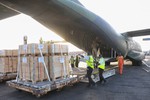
(76, 25)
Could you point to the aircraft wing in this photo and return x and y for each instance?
(6, 12)
(137, 33)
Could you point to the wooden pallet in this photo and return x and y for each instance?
(42, 88)
(8, 76)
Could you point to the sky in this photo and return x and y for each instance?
(122, 15)
(15, 28)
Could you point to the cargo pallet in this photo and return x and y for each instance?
(42, 88)
(7, 76)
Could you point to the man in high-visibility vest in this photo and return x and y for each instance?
(101, 68)
(72, 61)
(90, 67)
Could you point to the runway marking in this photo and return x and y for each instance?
(146, 70)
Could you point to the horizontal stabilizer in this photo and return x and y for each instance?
(146, 39)
(137, 33)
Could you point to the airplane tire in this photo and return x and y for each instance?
(107, 63)
(136, 63)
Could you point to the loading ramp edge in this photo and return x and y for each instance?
(106, 74)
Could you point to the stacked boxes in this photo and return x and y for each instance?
(14, 63)
(59, 67)
(58, 49)
(33, 49)
(8, 61)
(37, 68)
(25, 68)
(31, 64)
(54, 56)
(58, 61)
(4, 65)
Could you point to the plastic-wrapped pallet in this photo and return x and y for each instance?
(42, 72)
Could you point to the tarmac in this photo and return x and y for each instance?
(134, 84)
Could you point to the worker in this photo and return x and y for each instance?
(72, 61)
(25, 38)
(77, 61)
(90, 67)
(41, 41)
(120, 63)
(101, 68)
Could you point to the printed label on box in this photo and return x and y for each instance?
(24, 59)
(40, 46)
(41, 59)
(25, 47)
(62, 60)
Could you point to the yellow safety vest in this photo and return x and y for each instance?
(102, 63)
(72, 60)
(90, 62)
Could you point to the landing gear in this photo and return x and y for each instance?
(107, 63)
(136, 63)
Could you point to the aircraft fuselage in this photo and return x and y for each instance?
(77, 25)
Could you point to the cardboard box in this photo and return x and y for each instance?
(23, 49)
(42, 72)
(10, 64)
(42, 47)
(58, 48)
(38, 72)
(33, 48)
(25, 69)
(14, 64)
(5, 53)
(4, 65)
(15, 52)
(59, 67)
(34, 69)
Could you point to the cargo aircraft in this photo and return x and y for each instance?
(79, 26)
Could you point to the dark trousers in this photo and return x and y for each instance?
(77, 64)
(72, 65)
(89, 73)
(101, 75)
